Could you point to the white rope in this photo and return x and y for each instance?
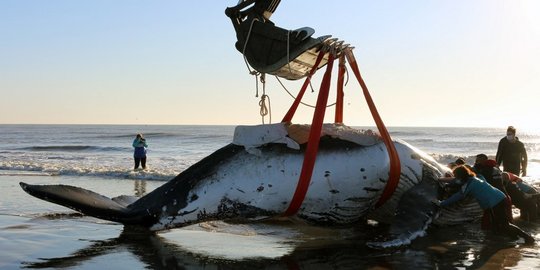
(301, 102)
(264, 109)
(257, 85)
(252, 72)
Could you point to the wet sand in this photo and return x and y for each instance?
(38, 234)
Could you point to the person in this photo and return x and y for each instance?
(492, 200)
(460, 161)
(511, 153)
(489, 169)
(525, 203)
(450, 184)
(508, 176)
(522, 196)
(140, 151)
(483, 168)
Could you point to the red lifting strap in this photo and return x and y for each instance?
(313, 142)
(395, 164)
(338, 119)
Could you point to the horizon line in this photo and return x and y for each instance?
(131, 124)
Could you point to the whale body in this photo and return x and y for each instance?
(258, 182)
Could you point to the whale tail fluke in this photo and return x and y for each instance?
(84, 201)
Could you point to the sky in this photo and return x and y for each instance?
(457, 63)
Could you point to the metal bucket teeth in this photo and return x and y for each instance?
(300, 66)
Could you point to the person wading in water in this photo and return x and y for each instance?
(140, 151)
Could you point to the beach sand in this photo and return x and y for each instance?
(38, 234)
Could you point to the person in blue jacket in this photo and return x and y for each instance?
(492, 200)
(140, 151)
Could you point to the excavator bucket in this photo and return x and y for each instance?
(289, 54)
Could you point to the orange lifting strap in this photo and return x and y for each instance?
(313, 141)
(339, 99)
(316, 128)
(395, 164)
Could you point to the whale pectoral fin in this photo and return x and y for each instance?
(125, 200)
(414, 214)
(79, 199)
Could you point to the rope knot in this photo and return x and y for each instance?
(264, 108)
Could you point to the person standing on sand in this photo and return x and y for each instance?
(511, 153)
(140, 151)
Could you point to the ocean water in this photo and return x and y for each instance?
(105, 150)
(38, 234)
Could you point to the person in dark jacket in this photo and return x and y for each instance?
(140, 151)
(489, 173)
(511, 153)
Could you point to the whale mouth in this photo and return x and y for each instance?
(396, 241)
(414, 213)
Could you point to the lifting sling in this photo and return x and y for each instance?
(316, 127)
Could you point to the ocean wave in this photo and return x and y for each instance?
(30, 169)
(71, 148)
(420, 140)
(146, 135)
(448, 158)
(469, 159)
(66, 158)
(58, 148)
(23, 173)
(168, 134)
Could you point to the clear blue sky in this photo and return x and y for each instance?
(427, 63)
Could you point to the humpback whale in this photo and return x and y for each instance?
(255, 176)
